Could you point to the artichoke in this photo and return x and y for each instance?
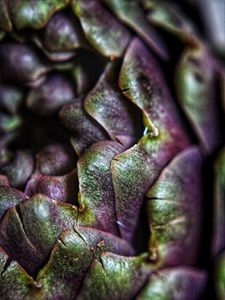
(111, 130)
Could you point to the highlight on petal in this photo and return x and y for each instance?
(101, 28)
(29, 231)
(71, 259)
(9, 197)
(115, 277)
(106, 104)
(96, 201)
(62, 188)
(131, 13)
(4, 180)
(196, 88)
(33, 13)
(176, 283)
(135, 170)
(62, 33)
(55, 159)
(174, 210)
(11, 97)
(168, 17)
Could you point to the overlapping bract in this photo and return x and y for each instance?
(70, 232)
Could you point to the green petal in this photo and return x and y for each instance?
(169, 18)
(71, 258)
(132, 173)
(106, 104)
(9, 123)
(137, 168)
(196, 88)
(174, 210)
(33, 13)
(178, 283)
(130, 13)
(115, 277)
(15, 283)
(96, 200)
(101, 29)
(29, 231)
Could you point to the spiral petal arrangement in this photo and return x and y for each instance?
(112, 167)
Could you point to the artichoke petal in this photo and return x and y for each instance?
(131, 13)
(174, 210)
(49, 219)
(115, 277)
(21, 63)
(85, 130)
(141, 81)
(196, 89)
(101, 29)
(106, 104)
(51, 95)
(175, 283)
(96, 201)
(33, 13)
(71, 258)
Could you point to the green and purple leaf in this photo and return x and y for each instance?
(106, 104)
(85, 131)
(196, 89)
(71, 259)
(62, 33)
(136, 169)
(167, 16)
(181, 283)
(29, 231)
(96, 201)
(33, 13)
(61, 188)
(131, 13)
(101, 28)
(9, 197)
(115, 277)
(174, 210)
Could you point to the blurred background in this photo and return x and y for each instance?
(212, 15)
